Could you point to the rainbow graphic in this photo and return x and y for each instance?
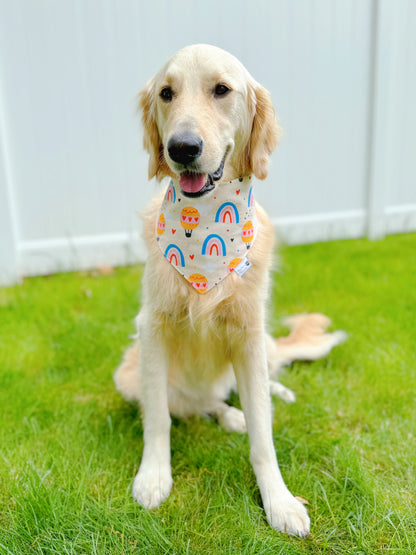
(229, 211)
(250, 197)
(174, 254)
(214, 244)
(170, 194)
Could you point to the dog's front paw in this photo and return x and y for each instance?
(152, 486)
(287, 514)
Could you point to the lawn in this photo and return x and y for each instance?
(70, 445)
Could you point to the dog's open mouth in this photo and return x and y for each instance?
(195, 184)
(192, 183)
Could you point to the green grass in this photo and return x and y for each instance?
(70, 446)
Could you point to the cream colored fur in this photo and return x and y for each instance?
(192, 349)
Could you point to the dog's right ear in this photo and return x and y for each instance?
(265, 131)
(151, 138)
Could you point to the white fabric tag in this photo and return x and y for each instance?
(242, 268)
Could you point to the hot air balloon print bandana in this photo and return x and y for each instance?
(206, 238)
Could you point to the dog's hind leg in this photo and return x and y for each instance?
(274, 364)
(280, 390)
(230, 418)
(126, 377)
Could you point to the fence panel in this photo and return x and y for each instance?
(72, 171)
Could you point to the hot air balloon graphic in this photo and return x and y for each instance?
(199, 282)
(161, 225)
(247, 233)
(233, 264)
(189, 219)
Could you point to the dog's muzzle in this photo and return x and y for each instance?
(185, 149)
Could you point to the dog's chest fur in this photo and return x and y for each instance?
(199, 332)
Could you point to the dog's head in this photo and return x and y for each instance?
(203, 113)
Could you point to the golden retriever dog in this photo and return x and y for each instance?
(208, 126)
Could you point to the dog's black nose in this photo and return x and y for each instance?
(185, 148)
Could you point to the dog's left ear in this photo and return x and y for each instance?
(265, 132)
(151, 138)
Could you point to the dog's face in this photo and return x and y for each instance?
(203, 113)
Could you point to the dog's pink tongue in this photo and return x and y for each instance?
(192, 182)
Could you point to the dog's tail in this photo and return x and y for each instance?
(307, 340)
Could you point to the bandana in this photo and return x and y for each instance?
(206, 238)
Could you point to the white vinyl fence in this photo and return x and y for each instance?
(342, 74)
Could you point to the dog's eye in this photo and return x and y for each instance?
(221, 90)
(166, 94)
